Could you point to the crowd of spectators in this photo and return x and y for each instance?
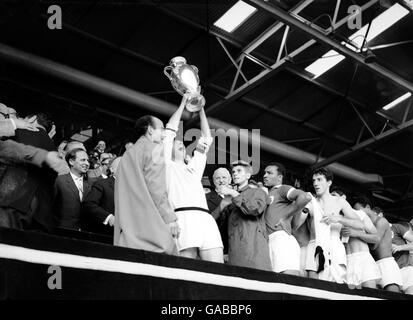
(155, 198)
(67, 188)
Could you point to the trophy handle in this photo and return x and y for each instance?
(195, 68)
(168, 74)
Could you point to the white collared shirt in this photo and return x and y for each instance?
(220, 194)
(79, 184)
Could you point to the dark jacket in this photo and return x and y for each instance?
(98, 205)
(28, 189)
(247, 235)
(213, 201)
(67, 207)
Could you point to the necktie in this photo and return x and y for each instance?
(80, 187)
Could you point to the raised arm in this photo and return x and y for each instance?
(205, 130)
(171, 130)
(300, 217)
(173, 122)
(299, 198)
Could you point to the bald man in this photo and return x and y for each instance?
(216, 202)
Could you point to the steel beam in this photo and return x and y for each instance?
(283, 41)
(315, 34)
(238, 67)
(273, 29)
(336, 11)
(303, 76)
(121, 93)
(157, 64)
(312, 127)
(245, 51)
(364, 144)
(266, 74)
(363, 120)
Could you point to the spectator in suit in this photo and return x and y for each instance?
(99, 204)
(26, 192)
(69, 147)
(101, 169)
(100, 147)
(221, 177)
(70, 190)
(20, 153)
(9, 122)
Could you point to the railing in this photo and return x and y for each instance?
(78, 265)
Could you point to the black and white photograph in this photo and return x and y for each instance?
(206, 159)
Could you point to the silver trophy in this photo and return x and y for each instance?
(184, 79)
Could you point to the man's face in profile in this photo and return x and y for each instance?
(157, 130)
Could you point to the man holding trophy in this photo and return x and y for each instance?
(199, 234)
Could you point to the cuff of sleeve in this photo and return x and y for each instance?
(237, 200)
(206, 140)
(13, 124)
(289, 193)
(203, 144)
(39, 157)
(170, 127)
(107, 219)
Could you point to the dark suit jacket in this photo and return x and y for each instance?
(213, 201)
(98, 204)
(26, 188)
(67, 206)
(19, 153)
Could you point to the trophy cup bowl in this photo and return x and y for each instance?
(185, 80)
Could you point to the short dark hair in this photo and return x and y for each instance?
(242, 163)
(364, 201)
(323, 171)
(280, 168)
(43, 119)
(142, 125)
(377, 210)
(71, 155)
(337, 190)
(71, 143)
